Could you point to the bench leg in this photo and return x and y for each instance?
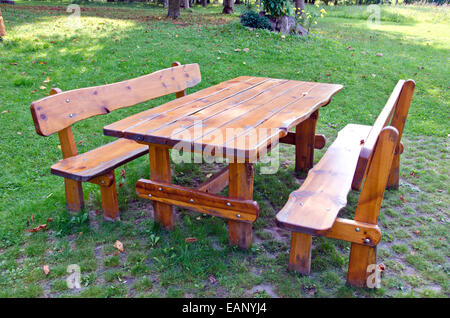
(240, 187)
(74, 195)
(160, 171)
(394, 174)
(110, 204)
(304, 143)
(300, 253)
(360, 258)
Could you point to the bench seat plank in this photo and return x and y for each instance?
(99, 161)
(315, 205)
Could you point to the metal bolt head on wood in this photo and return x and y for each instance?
(367, 240)
(357, 229)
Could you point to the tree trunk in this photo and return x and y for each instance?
(228, 6)
(237, 2)
(204, 3)
(185, 4)
(174, 9)
(299, 6)
(2, 26)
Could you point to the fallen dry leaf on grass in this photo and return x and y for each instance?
(212, 279)
(46, 269)
(118, 244)
(402, 198)
(191, 239)
(37, 228)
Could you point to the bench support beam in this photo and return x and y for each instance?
(304, 143)
(240, 187)
(73, 189)
(300, 253)
(319, 140)
(160, 171)
(108, 192)
(234, 209)
(216, 183)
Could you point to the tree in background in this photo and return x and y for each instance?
(299, 7)
(228, 7)
(2, 26)
(174, 9)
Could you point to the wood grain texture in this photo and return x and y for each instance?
(300, 253)
(319, 140)
(73, 189)
(395, 110)
(243, 105)
(304, 143)
(56, 112)
(240, 187)
(315, 205)
(108, 192)
(369, 203)
(99, 161)
(160, 171)
(216, 183)
(353, 231)
(230, 208)
(398, 121)
(179, 93)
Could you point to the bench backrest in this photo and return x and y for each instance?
(393, 114)
(59, 111)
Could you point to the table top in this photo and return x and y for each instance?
(239, 117)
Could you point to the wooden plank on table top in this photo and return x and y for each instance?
(256, 112)
(210, 94)
(166, 124)
(246, 114)
(277, 123)
(217, 115)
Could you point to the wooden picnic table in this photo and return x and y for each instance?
(240, 119)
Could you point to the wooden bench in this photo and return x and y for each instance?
(57, 113)
(360, 154)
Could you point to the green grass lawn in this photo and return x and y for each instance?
(118, 42)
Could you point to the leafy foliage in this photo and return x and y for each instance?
(278, 8)
(254, 20)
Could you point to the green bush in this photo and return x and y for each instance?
(252, 19)
(278, 8)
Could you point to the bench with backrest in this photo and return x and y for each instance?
(59, 111)
(367, 156)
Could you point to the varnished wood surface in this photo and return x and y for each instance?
(369, 203)
(230, 208)
(315, 205)
(260, 110)
(98, 161)
(56, 112)
(395, 110)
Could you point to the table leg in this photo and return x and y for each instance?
(241, 187)
(304, 143)
(160, 171)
